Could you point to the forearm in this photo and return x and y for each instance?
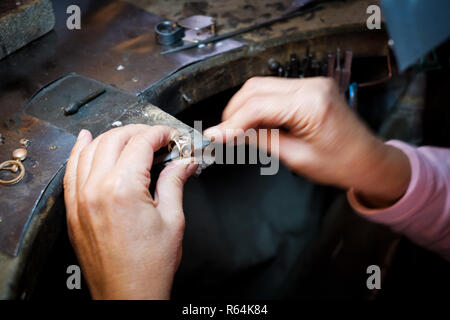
(384, 178)
(423, 212)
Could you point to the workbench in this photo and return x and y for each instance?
(97, 55)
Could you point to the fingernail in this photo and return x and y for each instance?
(174, 134)
(83, 133)
(211, 132)
(191, 168)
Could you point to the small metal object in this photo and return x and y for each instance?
(183, 144)
(294, 66)
(179, 148)
(287, 70)
(15, 165)
(273, 65)
(331, 63)
(338, 71)
(24, 142)
(14, 168)
(75, 106)
(20, 154)
(198, 28)
(353, 95)
(346, 73)
(315, 68)
(306, 63)
(280, 71)
(168, 33)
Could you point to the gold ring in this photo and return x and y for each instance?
(9, 165)
(177, 144)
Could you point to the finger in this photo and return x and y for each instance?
(110, 146)
(259, 86)
(136, 159)
(292, 150)
(85, 163)
(267, 140)
(70, 177)
(261, 111)
(169, 190)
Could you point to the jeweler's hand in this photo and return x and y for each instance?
(321, 136)
(128, 244)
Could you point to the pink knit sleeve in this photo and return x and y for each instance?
(423, 213)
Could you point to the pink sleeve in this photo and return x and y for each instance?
(423, 213)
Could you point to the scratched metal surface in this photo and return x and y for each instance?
(47, 152)
(113, 34)
(18, 202)
(235, 14)
(95, 116)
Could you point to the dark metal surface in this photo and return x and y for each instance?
(114, 105)
(222, 37)
(95, 116)
(116, 44)
(50, 147)
(48, 150)
(75, 106)
(117, 34)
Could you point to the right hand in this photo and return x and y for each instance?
(322, 139)
(128, 243)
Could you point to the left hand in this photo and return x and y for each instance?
(128, 245)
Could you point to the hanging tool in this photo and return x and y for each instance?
(331, 63)
(338, 71)
(294, 66)
(353, 95)
(299, 11)
(346, 72)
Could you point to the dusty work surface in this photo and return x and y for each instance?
(22, 22)
(340, 24)
(236, 14)
(116, 46)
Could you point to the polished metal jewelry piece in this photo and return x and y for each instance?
(24, 142)
(20, 154)
(183, 144)
(15, 166)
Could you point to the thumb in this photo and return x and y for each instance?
(169, 189)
